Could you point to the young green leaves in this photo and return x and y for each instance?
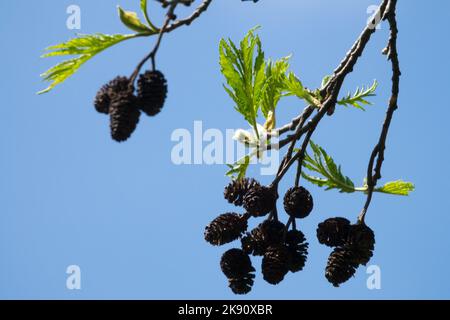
(147, 16)
(398, 187)
(257, 84)
(244, 71)
(254, 83)
(295, 88)
(275, 84)
(358, 99)
(131, 20)
(85, 47)
(331, 176)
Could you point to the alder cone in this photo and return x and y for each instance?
(124, 115)
(253, 243)
(361, 239)
(235, 264)
(102, 100)
(237, 267)
(225, 228)
(273, 232)
(341, 266)
(104, 95)
(298, 202)
(333, 232)
(234, 193)
(267, 234)
(260, 200)
(295, 238)
(242, 285)
(298, 250)
(275, 264)
(152, 92)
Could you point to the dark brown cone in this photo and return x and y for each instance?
(294, 238)
(361, 239)
(266, 234)
(298, 250)
(236, 264)
(242, 285)
(273, 232)
(102, 100)
(260, 200)
(298, 202)
(275, 264)
(225, 228)
(124, 115)
(340, 267)
(247, 243)
(152, 92)
(104, 95)
(237, 189)
(333, 232)
(253, 243)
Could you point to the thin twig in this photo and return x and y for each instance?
(291, 126)
(299, 172)
(377, 156)
(152, 54)
(185, 22)
(296, 123)
(299, 155)
(168, 27)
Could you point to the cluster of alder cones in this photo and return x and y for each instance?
(119, 100)
(353, 246)
(284, 248)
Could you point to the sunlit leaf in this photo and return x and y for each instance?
(358, 99)
(131, 20)
(398, 187)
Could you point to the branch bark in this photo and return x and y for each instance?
(377, 156)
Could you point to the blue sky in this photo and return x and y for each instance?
(133, 221)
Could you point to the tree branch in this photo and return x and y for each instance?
(330, 94)
(377, 156)
(185, 22)
(168, 27)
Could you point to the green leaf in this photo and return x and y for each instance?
(146, 15)
(84, 47)
(62, 71)
(239, 169)
(358, 99)
(295, 87)
(244, 70)
(275, 75)
(332, 176)
(398, 187)
(131, 20)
